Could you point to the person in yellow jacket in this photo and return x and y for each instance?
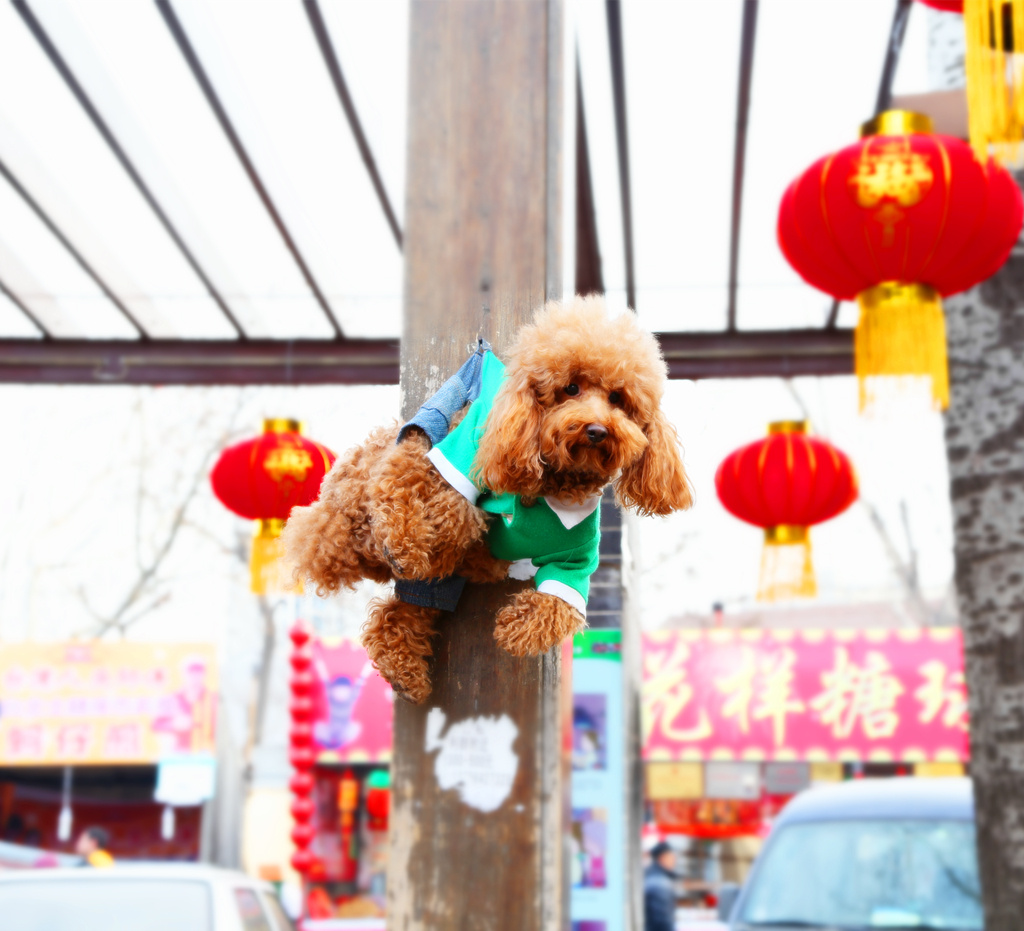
(92, 847)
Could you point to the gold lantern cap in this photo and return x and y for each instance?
(897, 123)
(785, 535)
(787, 426)
(281, 425)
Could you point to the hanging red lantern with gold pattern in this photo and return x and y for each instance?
(994, 39)
(262, 479)
(898, 221)
(786, 483)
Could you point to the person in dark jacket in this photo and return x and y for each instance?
(659, 889)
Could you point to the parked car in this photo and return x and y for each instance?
(871, 853)
(142, 897)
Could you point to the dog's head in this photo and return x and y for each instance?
(581, 407)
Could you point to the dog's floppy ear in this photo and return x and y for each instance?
(656, 483)
(508, 458)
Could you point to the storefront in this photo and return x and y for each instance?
(343, 707)
(351, 735)
(737, 722)
(99, 734)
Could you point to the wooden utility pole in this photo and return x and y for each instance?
(985, 445)
(477, 834)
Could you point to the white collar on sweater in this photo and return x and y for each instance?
(572, 514)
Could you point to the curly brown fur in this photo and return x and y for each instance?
(397, 638)
(421, 525)
(384, 512)
(541, 438)
(534, 622)
(329, 542)
(580, 409)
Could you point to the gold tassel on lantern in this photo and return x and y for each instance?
(995, 77)
(786, 567)
(901, 332)
(266, 567)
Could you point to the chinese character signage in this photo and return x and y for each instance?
(82, 703)
(353, 712)
(805, 695)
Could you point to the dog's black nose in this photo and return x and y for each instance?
(596, 433)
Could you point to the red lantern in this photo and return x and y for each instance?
(301, 734)
(786, 483)
(302, 708)
(896, 221)
(302, 758)
(302, 683)
(302, 809)
(302, 860)
(262, 479)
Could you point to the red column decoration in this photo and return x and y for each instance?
(302, 755)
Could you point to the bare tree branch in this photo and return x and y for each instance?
(147, 576)
(905, 572)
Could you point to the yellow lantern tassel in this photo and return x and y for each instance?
(995, 77)
(266, 567)
(787, 570)
(901, 332)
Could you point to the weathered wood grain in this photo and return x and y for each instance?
(482, 249)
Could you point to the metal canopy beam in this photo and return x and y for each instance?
(323, 40)
(740, 153)
(613, 12)
(17, 302)
(86, 103)
(213, 362)
(771, 353)
(73, 251)
(213, 99)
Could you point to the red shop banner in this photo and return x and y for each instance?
(352, 705)
(869, 695)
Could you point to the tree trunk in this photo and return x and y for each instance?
(985, 445)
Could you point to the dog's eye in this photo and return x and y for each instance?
(572, 390)
(615, 397)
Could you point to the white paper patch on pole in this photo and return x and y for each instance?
(476, 758)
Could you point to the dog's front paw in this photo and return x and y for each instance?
(535, 622)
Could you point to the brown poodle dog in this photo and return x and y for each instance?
(512, 491)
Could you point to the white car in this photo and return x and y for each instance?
(138, 897)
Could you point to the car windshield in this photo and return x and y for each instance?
(868, 874)
(95, 904)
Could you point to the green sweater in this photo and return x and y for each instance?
(554, 543)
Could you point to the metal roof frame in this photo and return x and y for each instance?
(726, 354)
